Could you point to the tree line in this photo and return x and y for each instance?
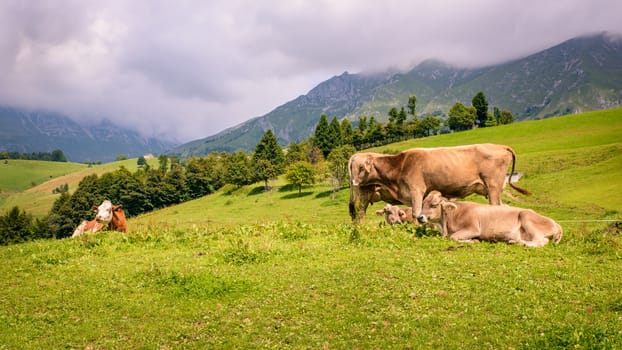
(323, 157)
(173, 181)
(403, 123)
(56, 155)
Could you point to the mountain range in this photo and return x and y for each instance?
(578, 75)
(40, 131)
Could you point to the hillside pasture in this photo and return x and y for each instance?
(575, 176)
(29, 184)
(244, 268)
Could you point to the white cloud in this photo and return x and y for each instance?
(188, 69)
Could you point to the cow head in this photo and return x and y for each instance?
(360, 166)
(393, 214)
(433, 206)
(104, 212)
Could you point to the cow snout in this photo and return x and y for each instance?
(422, 219)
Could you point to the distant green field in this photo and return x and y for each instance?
(29, 184)
(243, 268)
(19, 175)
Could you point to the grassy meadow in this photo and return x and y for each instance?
(243, 268)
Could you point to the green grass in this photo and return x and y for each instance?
(243, 268)
(282, 285)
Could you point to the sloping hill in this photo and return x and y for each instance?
(578, 75)
(571, 164)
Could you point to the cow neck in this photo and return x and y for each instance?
(388, 168)
(445, 218)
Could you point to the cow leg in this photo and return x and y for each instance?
(534, 228)
(363, 210)
(416, 204)
(465, 235)
(358, 205)
(79, 230)
(494, 194)
(536, 243)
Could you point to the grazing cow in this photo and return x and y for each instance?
(369, 195)
(468, 221)
(108, 215)
(394, 215)
(410, 175)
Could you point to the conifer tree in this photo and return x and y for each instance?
(322, 137)
(412, 105)
(481, 108)
(346, 131)
(334, 134)
(268, 160)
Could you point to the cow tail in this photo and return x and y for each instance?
(351, 205)
(519, 189)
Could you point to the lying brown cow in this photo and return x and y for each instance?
(108, 215)
(411, 174)
(468, 221)
(394, 215)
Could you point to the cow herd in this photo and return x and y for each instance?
(427, 181)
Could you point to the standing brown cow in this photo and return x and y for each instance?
(411, 174)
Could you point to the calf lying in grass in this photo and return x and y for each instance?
(468, 221)
(394, 215)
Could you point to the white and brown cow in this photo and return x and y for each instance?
(410, 175)
(468, 221)
(108, 215)
(395, 215)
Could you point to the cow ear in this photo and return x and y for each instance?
(402, 213)
(438, 198)
(447, 205)
(95, 207)
(118, 207)
(380, 212)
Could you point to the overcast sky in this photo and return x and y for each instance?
(185, 70)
